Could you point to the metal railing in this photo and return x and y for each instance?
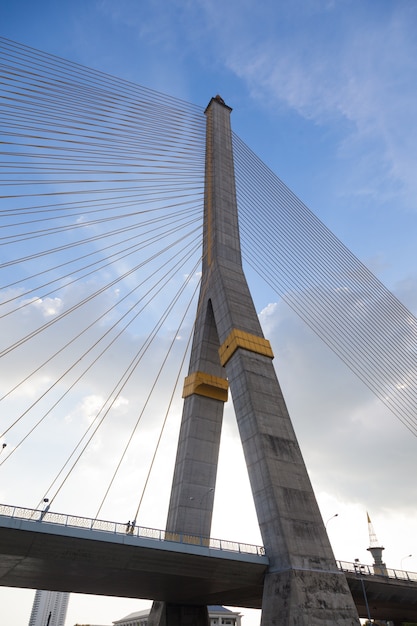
(372, 570)
(74, 521)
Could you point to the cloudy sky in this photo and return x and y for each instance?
(325, 92)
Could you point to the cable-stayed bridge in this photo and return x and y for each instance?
(103, 239)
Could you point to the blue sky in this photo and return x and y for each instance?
(322, 91)
(325, 92)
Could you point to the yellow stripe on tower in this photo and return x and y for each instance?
(206, 385)
(240, 339)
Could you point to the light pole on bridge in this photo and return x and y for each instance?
(404, 557)
(330, 518)
(359, 569)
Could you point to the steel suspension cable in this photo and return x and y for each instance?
(155, 288)
(79, 148)
(152, 388)
(325, 284)
(114, 394)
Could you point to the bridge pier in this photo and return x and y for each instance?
(300, 598)
(165, 614)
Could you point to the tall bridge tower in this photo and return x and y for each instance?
(303, 586)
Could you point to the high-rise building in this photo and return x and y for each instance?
(49, 608)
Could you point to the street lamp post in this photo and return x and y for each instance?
(359, 572)
(330, 518)
(405, 557)
(45, 510)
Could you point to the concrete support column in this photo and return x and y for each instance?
(164, 614)
(303, 586)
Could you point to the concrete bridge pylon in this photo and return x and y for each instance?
(303, 586)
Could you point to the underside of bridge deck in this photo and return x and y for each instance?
(86, 561)
(48, 556)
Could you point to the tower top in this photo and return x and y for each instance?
(219, 100)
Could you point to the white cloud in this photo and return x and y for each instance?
(48, 306)
(88, 408)
(354, 447)
(343, 66)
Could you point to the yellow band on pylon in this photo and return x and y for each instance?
(206, 385)
(241, 339)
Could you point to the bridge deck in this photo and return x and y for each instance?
(44, 555)
(388, 598)
(77, 557)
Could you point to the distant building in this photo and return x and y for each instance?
(218, 615)
(49, 608)
(139, 618)
(376, 549)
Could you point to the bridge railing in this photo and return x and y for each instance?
(73, 521)
(371, 570)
